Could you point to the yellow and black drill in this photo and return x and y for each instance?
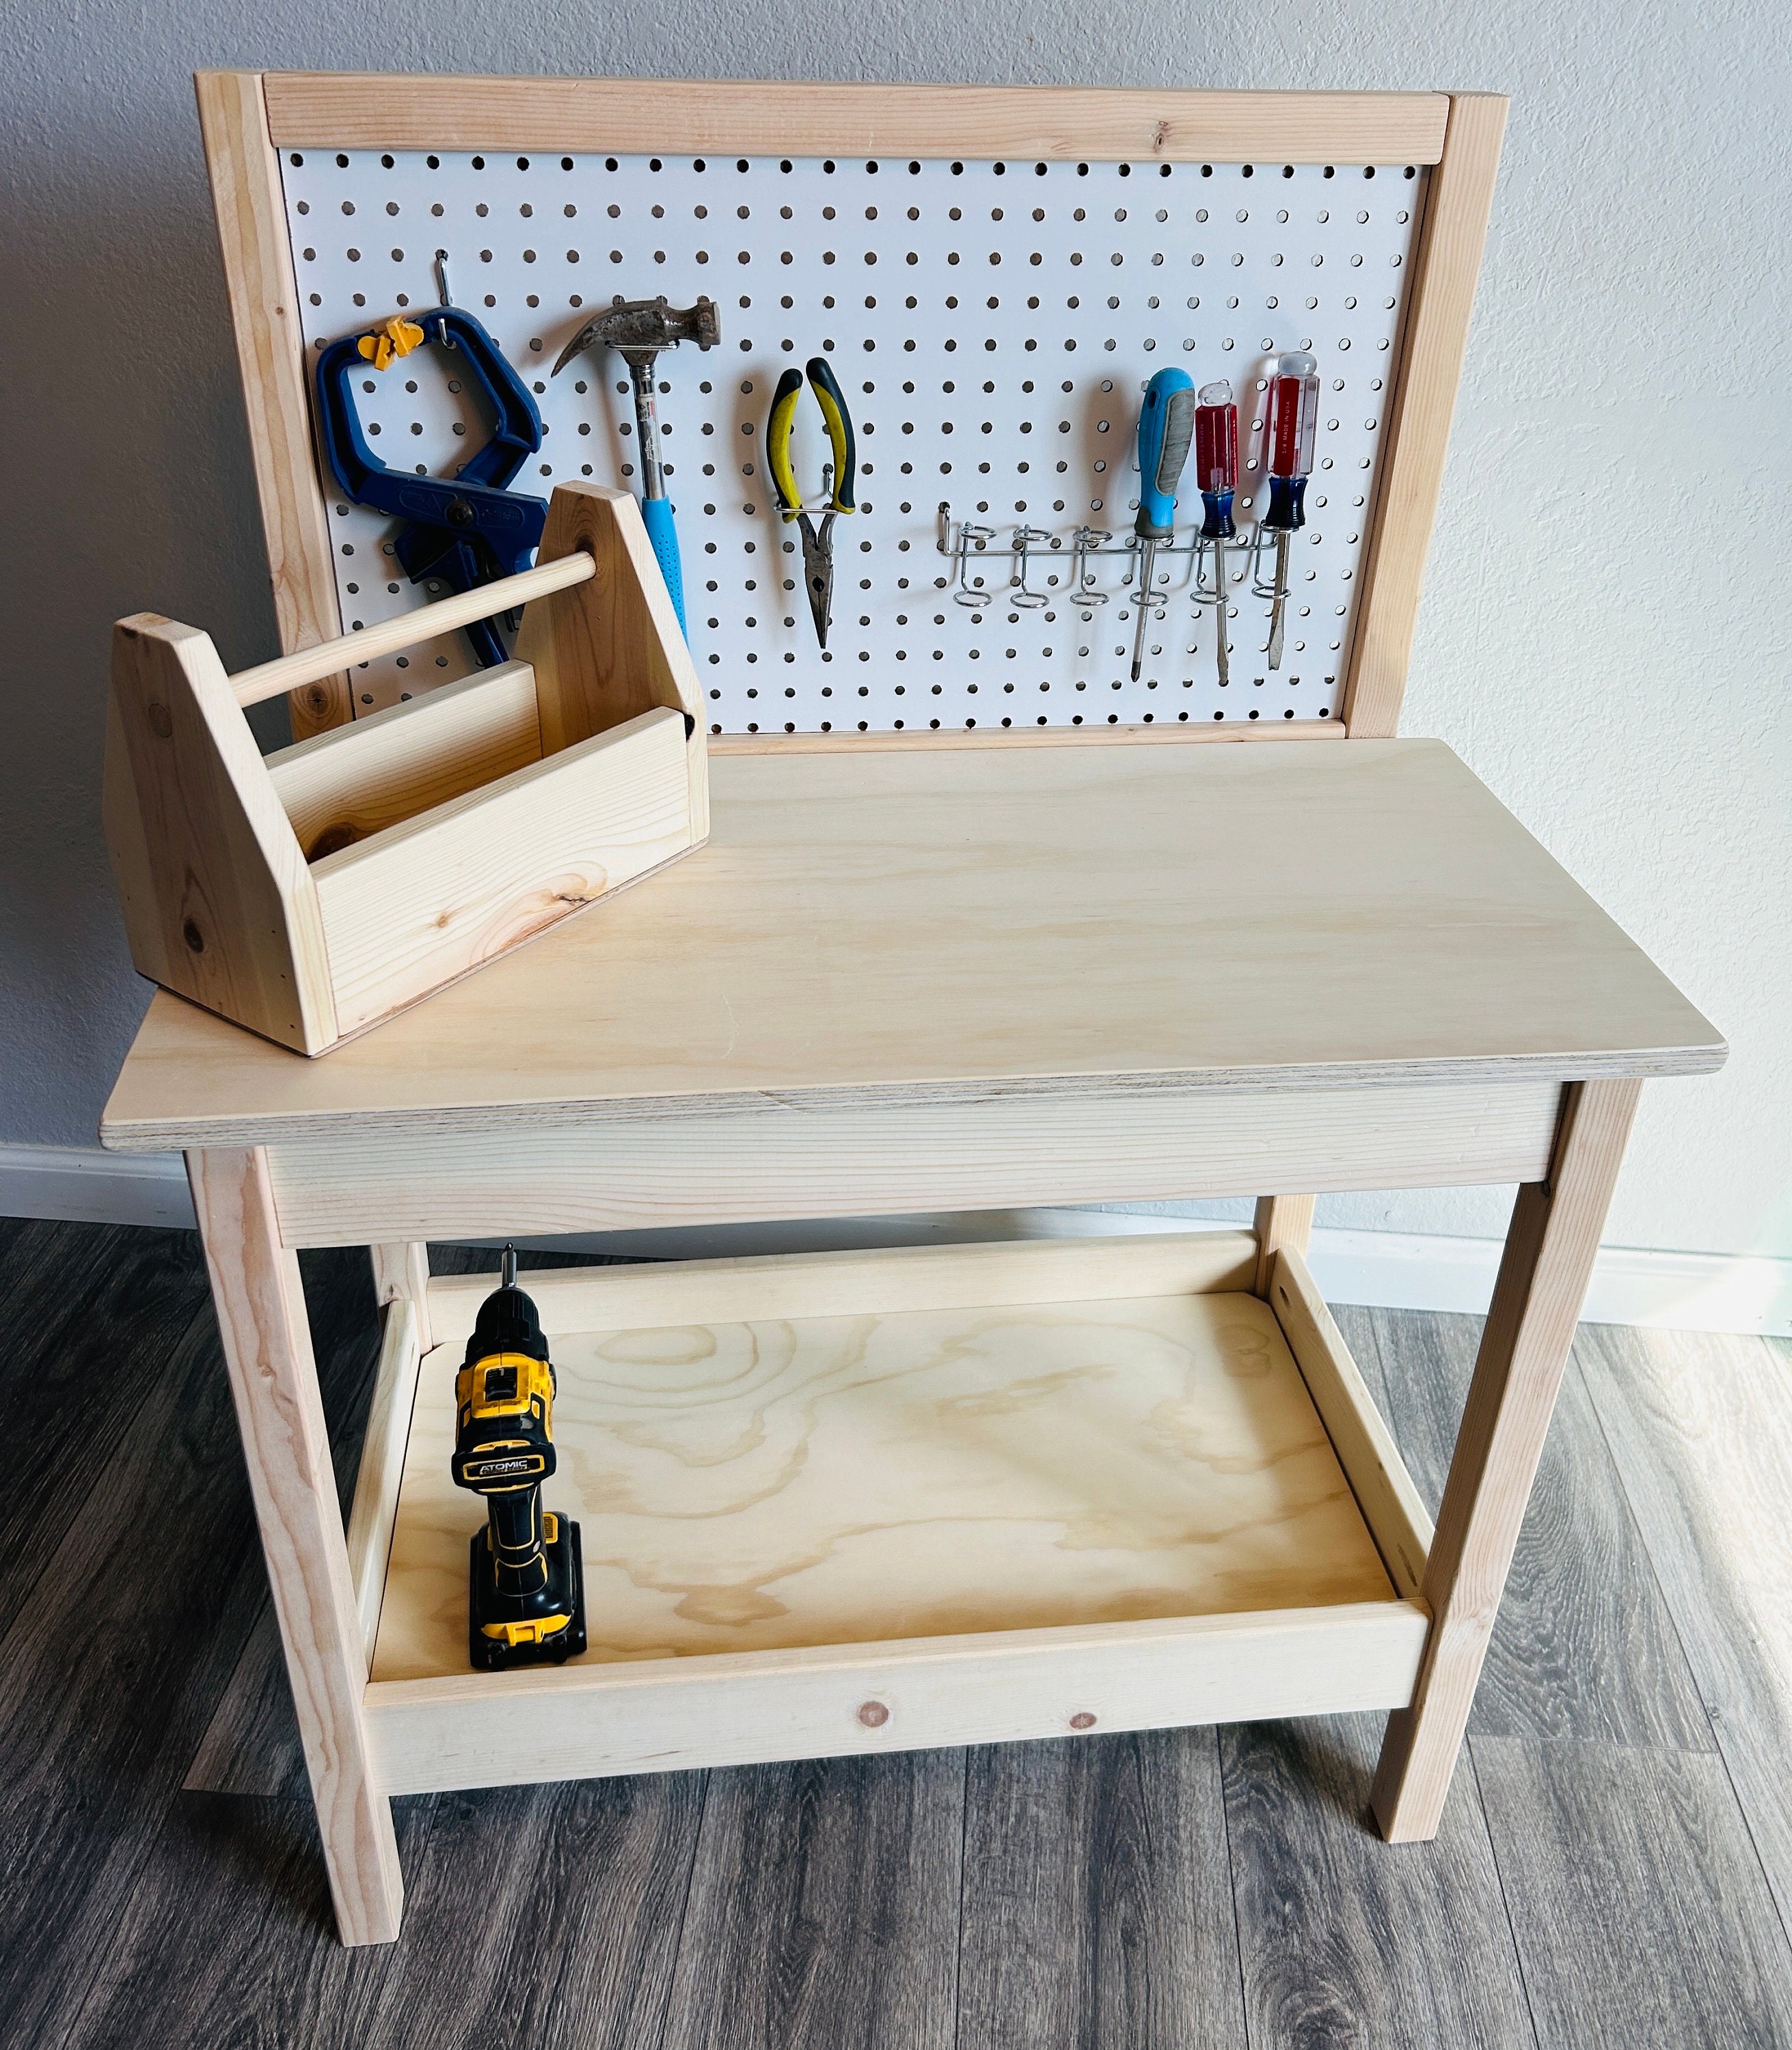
(526, 1590)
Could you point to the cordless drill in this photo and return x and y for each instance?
(526, 1593)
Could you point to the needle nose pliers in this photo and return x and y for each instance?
(818, 547)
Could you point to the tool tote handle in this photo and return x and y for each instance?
(290, 672)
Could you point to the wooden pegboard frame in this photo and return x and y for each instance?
(248, 116)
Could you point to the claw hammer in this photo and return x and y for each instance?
(640, 329)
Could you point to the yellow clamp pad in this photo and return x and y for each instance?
(396, 336)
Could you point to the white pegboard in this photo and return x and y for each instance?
(992, 325)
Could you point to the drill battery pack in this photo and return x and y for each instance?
(544, 1629)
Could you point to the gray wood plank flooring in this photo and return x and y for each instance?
(1700, 1425)
(1096, 1905)
(1616, 1863)
(1349, 1941)
(1641, 1915)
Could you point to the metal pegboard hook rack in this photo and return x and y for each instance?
(964, 542)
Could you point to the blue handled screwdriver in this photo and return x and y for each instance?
(1166, 426)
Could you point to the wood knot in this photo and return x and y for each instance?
(161, 720)
(1082, 1719)
(874, 1714)
(194, 938)
(332, 840)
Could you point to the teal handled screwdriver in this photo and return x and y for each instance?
(1166, 426)
(1294, 424)
(818, 547)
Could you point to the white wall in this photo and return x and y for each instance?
(1604, 633)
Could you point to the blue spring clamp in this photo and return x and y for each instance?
(466, 530)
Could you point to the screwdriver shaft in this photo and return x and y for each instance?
(1279, 601)
(1220, 609)
(1145, 576)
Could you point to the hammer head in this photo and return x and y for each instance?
(642, 327)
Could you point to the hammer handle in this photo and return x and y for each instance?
(656, 514)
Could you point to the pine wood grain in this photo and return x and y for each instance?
(341, 110)
(1585, 1645)
(1458, 201)
(1541, 1284)
(435, 896)
(258, 271)
(776, 1159)
(401, 1273)
(382, 1462)
(904, 928)
(824, 1909)
(1366, 1449)
(349, 783)
(217, 900)
(251, 1743)
(1280, 1221)
(927, 740)
(1700, 1426)
(1343, 1941)
(982, 1275)
(1097, 1905)
(1644, 1856)
(260, 1300)
(785, 1482)
(404, 630)
(610, 649)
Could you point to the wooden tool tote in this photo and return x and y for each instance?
(309, 894)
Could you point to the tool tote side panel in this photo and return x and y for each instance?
(313, 892)
(992, 326)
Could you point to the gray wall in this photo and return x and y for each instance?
(1603, 634)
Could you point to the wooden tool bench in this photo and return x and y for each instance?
(860, 1502)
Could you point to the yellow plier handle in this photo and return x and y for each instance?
(783, 421)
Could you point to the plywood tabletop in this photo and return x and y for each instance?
(899, 927)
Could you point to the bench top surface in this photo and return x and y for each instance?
(886, 927)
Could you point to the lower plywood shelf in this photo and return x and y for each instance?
(861, 1502)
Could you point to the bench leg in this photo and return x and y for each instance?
(401, 1274)
(274, 1380)
(1280, 1221)
(1542, 1283)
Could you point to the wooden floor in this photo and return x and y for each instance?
(1614, 1867)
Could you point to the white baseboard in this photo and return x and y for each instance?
(88, 1185)
(1707, 1292)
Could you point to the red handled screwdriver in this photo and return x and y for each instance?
(1294, 423)
(1217, 474)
